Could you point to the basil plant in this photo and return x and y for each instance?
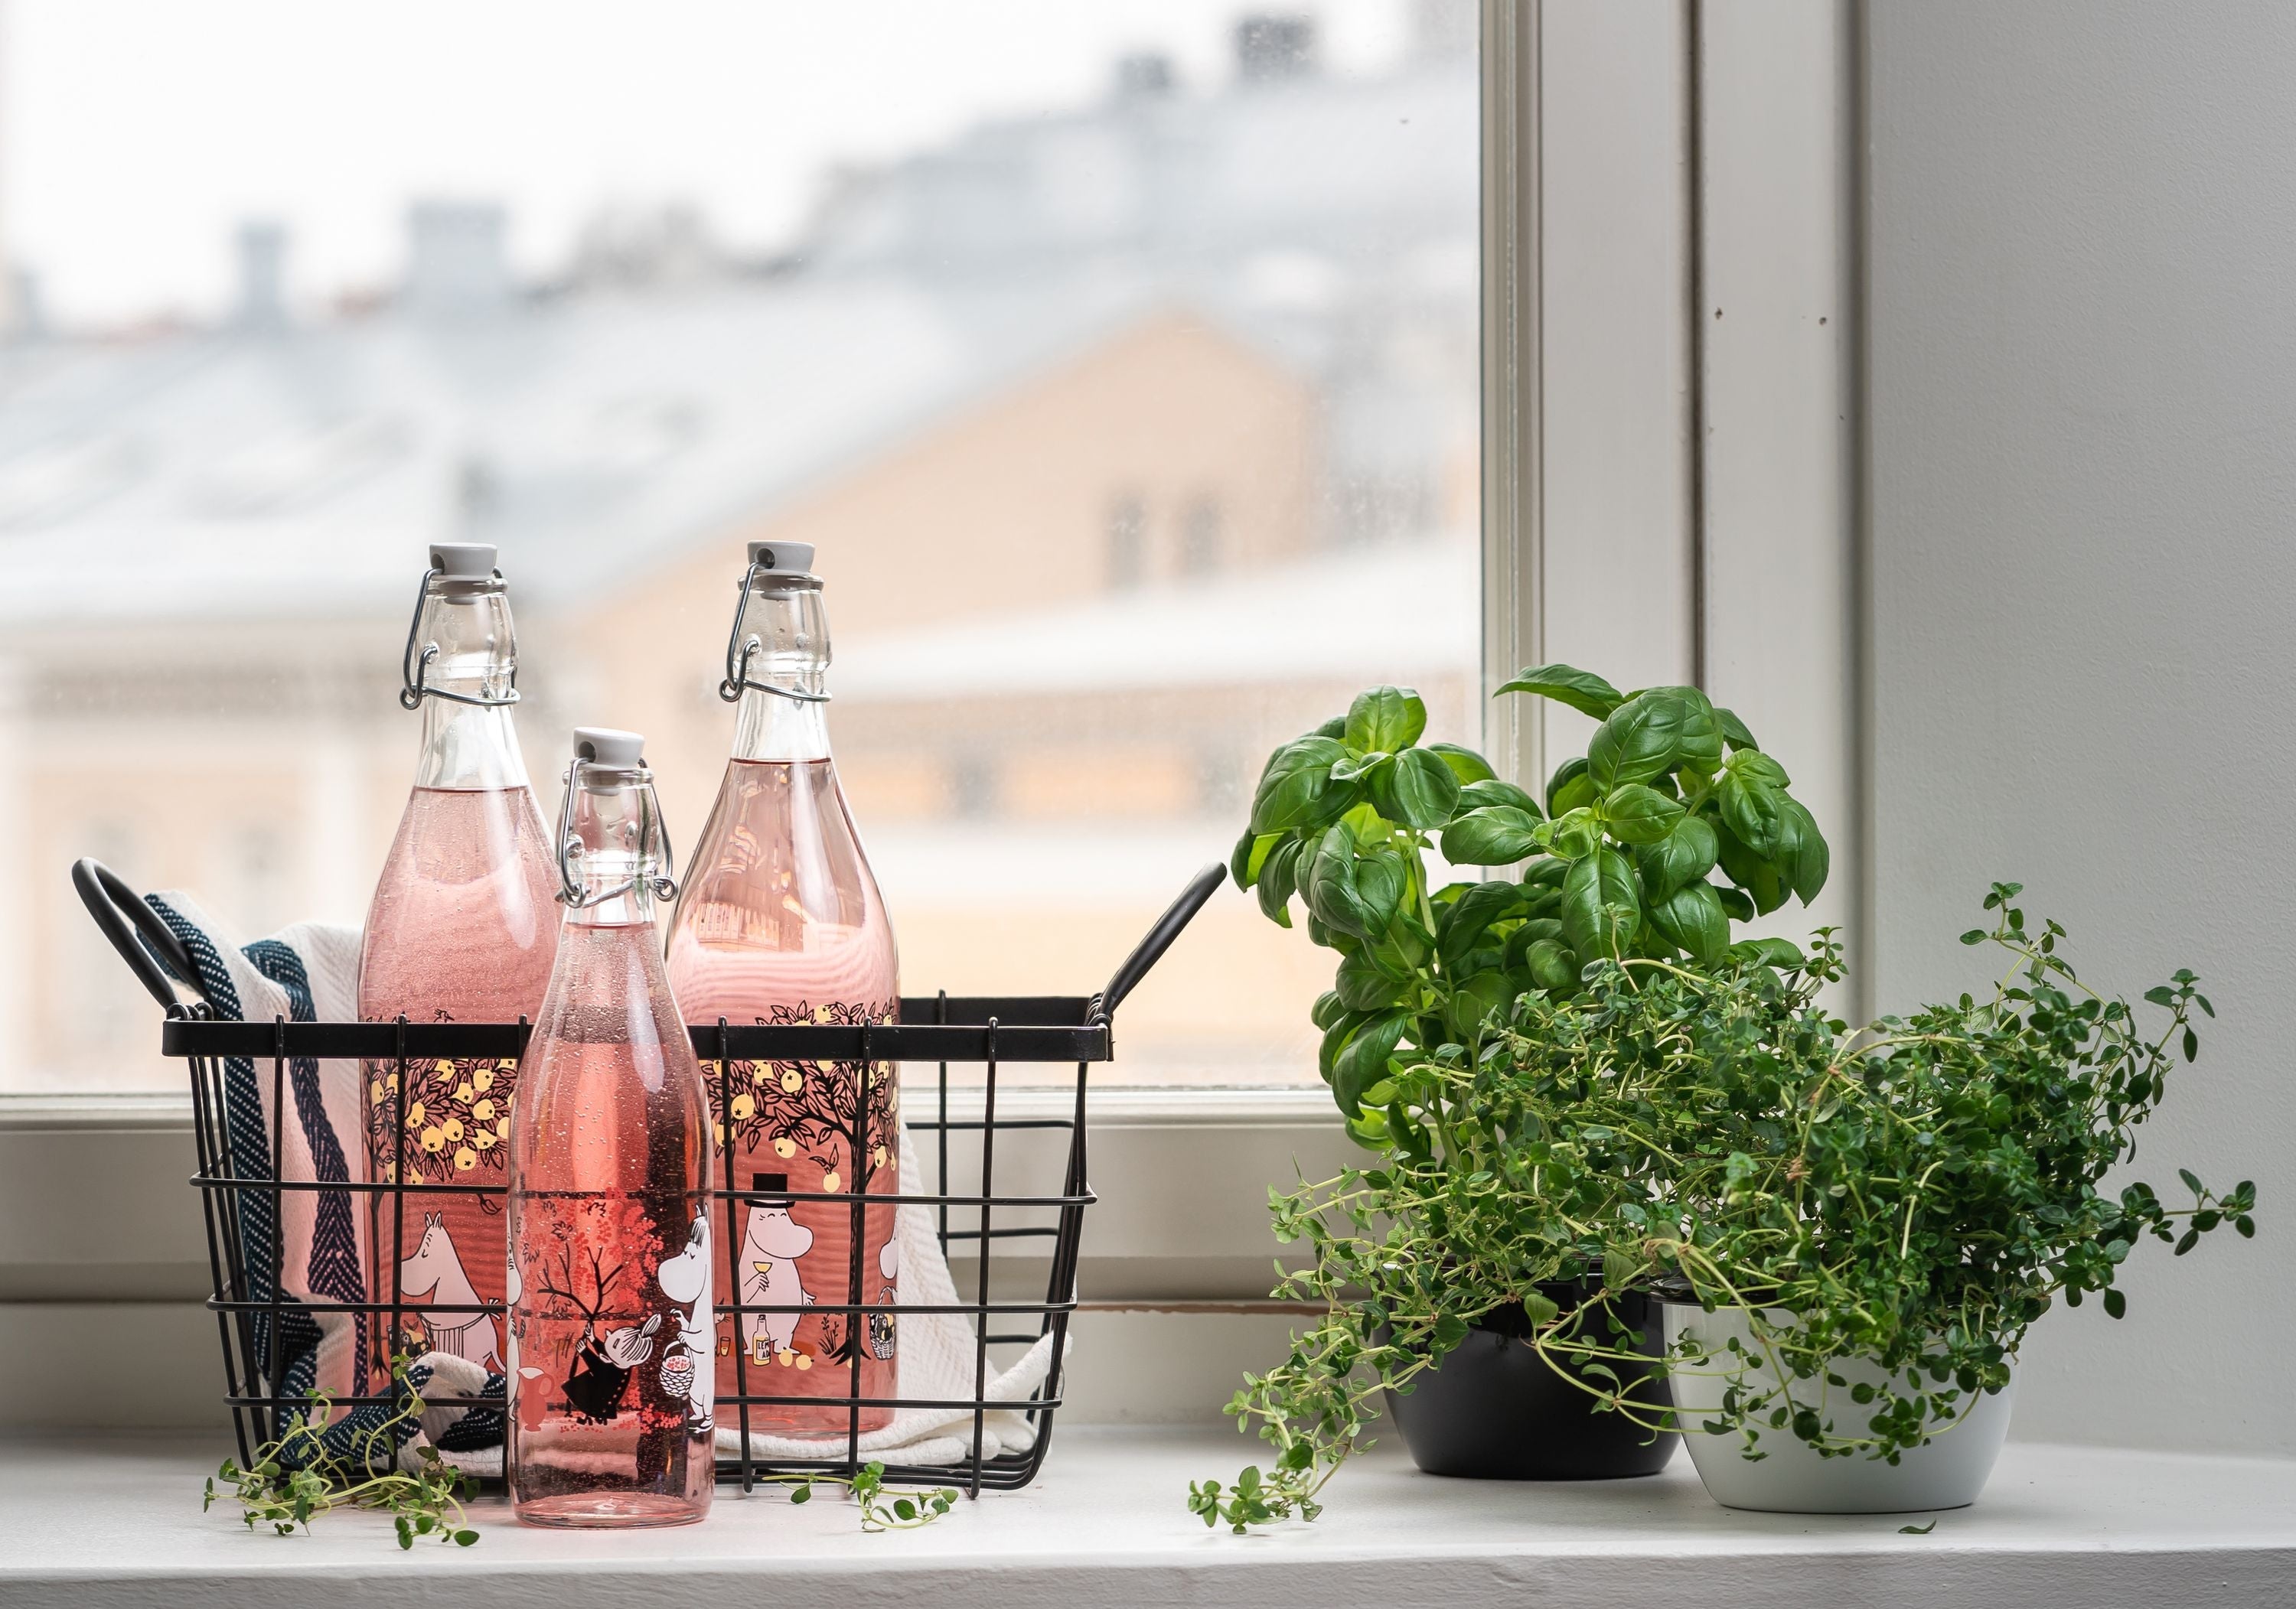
(1674, 825)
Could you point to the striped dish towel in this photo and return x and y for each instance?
(316, 1248)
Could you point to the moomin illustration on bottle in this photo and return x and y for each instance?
(610, 1275)
(780, 921)
(462, 928)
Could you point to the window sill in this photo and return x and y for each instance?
(95, 1522)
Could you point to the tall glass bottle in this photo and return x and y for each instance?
(610, 1269)
(780, 921)
(461, 928)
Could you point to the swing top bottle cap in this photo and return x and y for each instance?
(783, 558)
(464, 560)
(464, 567)
(608, 749)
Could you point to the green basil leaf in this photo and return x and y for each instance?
(1473, 1002)
(1699, 747)
(1767, 952)
(1335, 1040)
(1465, 764)
(1749, 871)
(1758, 767)
(1693, 916)
(1379, 883)
(1384, 718)
(1638, 814)
(1250, 850)
(1552, 966)
(1492, 835)
(1805, 869)
(1737, 902)
(1327, 1009)
(1582, 690)
(1335, 729)
(1601, 907)
(1573, 835)
(1291, 789)
(1490, 791)
(1525, 935)
(1544, 874)
(1750, 807)
(1365, 985)
(1734, 730)
(1685, 855)
(1471, 917)
(1334, 898)
(1418, 790)
(1570, 788)
(1356, 768)
(1364, 1061)
(1279, 880)
(1641, 740)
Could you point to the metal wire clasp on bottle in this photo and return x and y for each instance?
(653, 832)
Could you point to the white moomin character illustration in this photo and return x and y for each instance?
(525, 1384)
(881, 1324)
(685, 1279)
(434, 1274)
(771, 1244)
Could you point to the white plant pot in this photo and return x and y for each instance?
(1947, 1471)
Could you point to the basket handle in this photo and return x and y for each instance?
(1151, 949)
(122, 916)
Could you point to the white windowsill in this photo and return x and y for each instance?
(96, 1522)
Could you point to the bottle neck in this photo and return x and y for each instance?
(622, 850)
(469, 745)
(465, 747)
(770, 727)
(783, 642)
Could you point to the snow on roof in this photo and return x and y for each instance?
(1362, 615)
(251, 476)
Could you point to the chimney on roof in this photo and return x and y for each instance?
(262, 276)
(1143, 74)
(456, 264)
(1272, 46)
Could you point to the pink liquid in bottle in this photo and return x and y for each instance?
(610, 1273)
(781, 921)
(462, 928)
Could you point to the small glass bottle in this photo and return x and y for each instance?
(461, 928)
(609, 1280)
(780, 921)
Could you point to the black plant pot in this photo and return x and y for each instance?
(1493, 1410)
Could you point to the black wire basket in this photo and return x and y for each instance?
(942, 1029)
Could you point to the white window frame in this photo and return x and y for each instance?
(1666, 494)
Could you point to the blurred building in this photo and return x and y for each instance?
(1133, 440)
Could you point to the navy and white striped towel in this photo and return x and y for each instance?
(309, 972)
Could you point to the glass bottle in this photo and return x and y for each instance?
(609, 1273)
(780, 921)
(461, 928)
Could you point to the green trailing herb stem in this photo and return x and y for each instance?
(295, 1478)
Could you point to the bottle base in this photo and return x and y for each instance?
(610, 1511)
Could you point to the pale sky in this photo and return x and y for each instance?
(134, 135)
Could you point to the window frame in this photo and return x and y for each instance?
(1178, 1252)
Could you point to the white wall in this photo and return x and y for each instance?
(2082, 250)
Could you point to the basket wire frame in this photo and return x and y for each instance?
(942, 1029)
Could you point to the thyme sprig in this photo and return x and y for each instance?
(297, 1476)
(883, 1507)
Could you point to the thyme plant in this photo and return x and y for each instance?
(1916, 1195)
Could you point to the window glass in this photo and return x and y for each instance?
(1119, 355)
